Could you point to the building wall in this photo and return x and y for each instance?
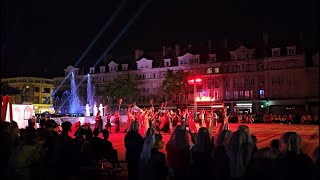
(37, 91)
(272, 81)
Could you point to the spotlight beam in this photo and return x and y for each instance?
(140, 10)
(102, 30)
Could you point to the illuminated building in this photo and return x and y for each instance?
(241, 78)
(35, 91)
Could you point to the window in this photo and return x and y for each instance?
(216, 95)
(247, 94)
(46, 90)
(241, 94)
(227, 83)
(261, 81)
(45, 100)
(235, 82)
(225, 69)
(36, 99)
(216, 70)
(291, 51)
(227, 95)
(252, 81)
(235, 95)
(245, 68)
(36, 89)
(261, 67)
(275, 52)
(252, 94)
(275, 80)
(246, 82)
(261, 94)
(216, 83)
(209, 71)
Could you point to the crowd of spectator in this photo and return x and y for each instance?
(49, 152)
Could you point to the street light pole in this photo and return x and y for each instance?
(194, 97)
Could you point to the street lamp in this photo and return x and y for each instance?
(195, 81)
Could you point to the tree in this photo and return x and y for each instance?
(175, 83)
(8, 90)
(122, 88)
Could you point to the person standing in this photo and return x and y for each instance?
(117, 121)
(108, 125)
(133, 142)
(99, 121)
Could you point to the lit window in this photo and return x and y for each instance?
(209, 71)
(235, 95)
(261, 94)
(227, 95)
(247, 94)
(216, 70)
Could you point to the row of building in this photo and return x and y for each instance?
(281, 80)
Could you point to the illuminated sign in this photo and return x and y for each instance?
(204, 99)
(198, 81)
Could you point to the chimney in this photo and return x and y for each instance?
(136, 54)
(164, 51)
(265, 36)
(177, 48)
(225, 43)
(209, 46)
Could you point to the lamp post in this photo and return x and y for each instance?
(195, 81)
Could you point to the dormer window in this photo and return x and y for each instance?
(102, 69)
(291, 51)
(92, 70)
(275, 52)
(124, 67)
(167, 62)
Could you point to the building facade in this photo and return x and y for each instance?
(279, 82)
(35, 91)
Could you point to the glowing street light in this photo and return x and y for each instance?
(195, 81)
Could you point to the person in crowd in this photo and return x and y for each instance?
(260, 166)
(96, 144)
(221, 168)
(293, 164)
(255, 141)
(201, 154)
(316, 170)
(63, 154)
(99, 121)
(26, 160)
(153, 164)
(178, 153)
(275, 145)
(133, 142)
(239, 151)
(83, 150)
(108, 152)
(31, 128)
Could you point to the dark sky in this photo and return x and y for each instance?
(42, 37)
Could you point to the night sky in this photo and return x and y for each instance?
(42, 37)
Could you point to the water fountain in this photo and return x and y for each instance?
(74, 100)
(90, 93)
